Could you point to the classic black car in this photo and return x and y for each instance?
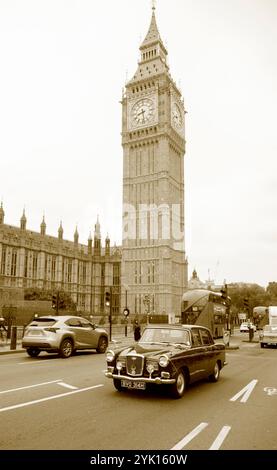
(175, 355)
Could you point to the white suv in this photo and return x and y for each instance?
(63, 334)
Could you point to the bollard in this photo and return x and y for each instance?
(251, 333)
(13, 337)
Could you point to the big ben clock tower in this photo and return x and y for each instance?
(154, 267)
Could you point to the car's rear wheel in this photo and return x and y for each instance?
(33, 352)
(216, 373)
(178, 388)
(66, 348)
(102, 345)
(117, 384)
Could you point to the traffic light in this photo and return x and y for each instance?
(246, 303)
(107, 299)
(224, 293)
(54, 302)
(61, 304)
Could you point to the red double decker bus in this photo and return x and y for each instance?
(206, 308)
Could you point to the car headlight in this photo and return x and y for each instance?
(110, 356)
(163, 361)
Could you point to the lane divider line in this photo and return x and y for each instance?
(220, 438)
(67, 385)
(31, 363)
(53, 397)
(246, 391)
(189, 436)
(30, 386)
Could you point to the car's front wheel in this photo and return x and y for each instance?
(262, 345)
(102, 345)
(117, 384)
(33, 352)
(66, 348)
(216, 373)
(178, 388)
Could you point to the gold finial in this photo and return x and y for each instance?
(153, 5)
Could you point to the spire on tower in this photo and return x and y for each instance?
(60, 231)
(76, 236)
(23, 220)
(97, 231)
(43, 226)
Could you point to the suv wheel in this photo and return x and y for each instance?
(102, 345)
(33, 352)
(66, 348)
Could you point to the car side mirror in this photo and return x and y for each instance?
(93, 326)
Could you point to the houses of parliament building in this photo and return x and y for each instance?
(150, 266)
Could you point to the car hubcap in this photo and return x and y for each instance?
(216, 370)
(67, 348)
(102, 345)
(180, 384)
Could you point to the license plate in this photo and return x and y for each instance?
(135, 385)
(34, 333)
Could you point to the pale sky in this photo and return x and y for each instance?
(63, 66)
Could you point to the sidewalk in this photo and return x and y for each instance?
(5, 347)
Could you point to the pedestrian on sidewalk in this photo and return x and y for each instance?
(137, 334)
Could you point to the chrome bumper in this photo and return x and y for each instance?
(156, 380)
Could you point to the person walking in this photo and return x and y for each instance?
(137, 334)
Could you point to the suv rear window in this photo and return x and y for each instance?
(43, 322)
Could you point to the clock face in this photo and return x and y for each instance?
(177, 120)
(142, 112)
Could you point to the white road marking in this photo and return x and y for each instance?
(220, 438)
(270, 391)
(67, 385)
(53, 397)
(31, 363)
(30, 386)
(246, 392)
(189, 436)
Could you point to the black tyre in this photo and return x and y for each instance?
(179, 387)
(216, 373)
(262, 345)
(33, 352)
(117, 385)
(66, 348)
(102, 345)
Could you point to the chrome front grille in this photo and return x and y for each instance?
(134, 364)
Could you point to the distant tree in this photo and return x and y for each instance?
(272, 292)
(255, 294)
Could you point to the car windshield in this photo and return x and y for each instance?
(164, 335)
(43, 322)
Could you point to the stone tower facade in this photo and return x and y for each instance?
(154, 266)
